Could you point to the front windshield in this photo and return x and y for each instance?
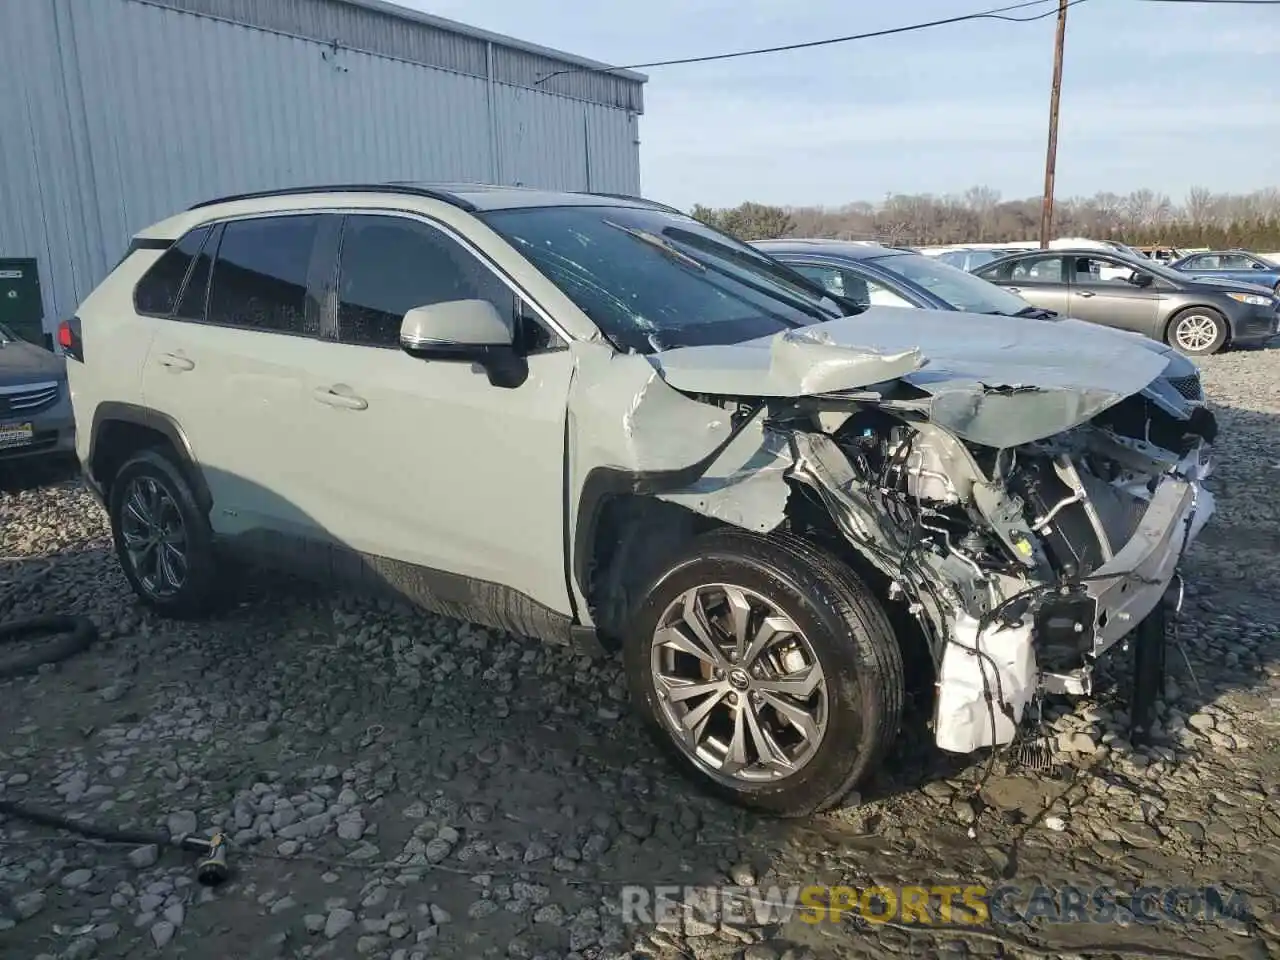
(653, 280)
(960, 289)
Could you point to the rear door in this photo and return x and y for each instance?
(1102, 291)
(1204, 265)
(1038, 279)
(231, 366)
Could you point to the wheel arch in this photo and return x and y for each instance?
(622, 546)
(121, 429)
(1218, 311)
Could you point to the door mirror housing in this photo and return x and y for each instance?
(469, 331)
(1140, 279)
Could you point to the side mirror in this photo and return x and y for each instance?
(1258, 266)
(1140, 279)
(469, 331)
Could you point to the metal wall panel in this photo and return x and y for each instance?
(382, 28)
(126, 111)
(46, 201)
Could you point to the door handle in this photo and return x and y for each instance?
(347, 401)
(175, 361)
(1013, 289)
(1084, 293)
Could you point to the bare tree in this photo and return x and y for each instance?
(980, 215)
(983, 202)
(1199, 206)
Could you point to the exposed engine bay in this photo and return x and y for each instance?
(1027, 490)
(1023, 565)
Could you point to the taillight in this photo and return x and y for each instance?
(69, 339)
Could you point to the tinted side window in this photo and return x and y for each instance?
(1092, 270)
(389, 265)
(158, 290)
(260, 276)
(833, 280)
(196, 293)
(1040, 270)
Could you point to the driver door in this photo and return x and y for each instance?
(1103, 292)
(426, 462)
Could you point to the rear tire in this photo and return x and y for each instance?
(1198, 331)
(813, 680)
(162, 538)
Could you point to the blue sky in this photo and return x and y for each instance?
(1158, 95)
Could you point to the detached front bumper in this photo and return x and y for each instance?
(1114, 600)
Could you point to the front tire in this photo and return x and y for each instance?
(767, 671)
(163, 540)
(1198, 331)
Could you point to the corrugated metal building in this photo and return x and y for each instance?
(116, 113)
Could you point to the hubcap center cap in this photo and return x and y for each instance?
(738, 679)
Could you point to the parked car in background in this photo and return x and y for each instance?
(886, 277)
(972, 259)
(35, 408)
(1232, 265)
(891, 277)
(1197, 316)
(1161, 253)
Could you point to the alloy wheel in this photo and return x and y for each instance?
(1196, 332)
(155, 538)
(740, 688)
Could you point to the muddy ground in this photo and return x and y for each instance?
(402, 786)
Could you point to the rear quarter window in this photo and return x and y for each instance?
(157, 292)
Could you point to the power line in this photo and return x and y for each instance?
(996, 13)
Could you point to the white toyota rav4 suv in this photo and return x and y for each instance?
(593, 420)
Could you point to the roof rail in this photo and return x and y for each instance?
(441, 195)
(624, 196)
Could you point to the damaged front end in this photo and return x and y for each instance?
(1023, 564)
(1028, 526)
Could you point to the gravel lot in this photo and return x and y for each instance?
(402, 786)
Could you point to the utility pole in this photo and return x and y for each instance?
(1051, 156)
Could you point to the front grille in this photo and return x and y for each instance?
(27, 398)
(1189, 387)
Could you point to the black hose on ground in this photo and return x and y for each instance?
(73, 635)
(44, 818)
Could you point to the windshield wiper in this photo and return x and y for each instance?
(644, 236)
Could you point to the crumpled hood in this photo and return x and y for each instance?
(22, 362)
(998, 381)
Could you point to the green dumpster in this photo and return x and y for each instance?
(21, 309)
